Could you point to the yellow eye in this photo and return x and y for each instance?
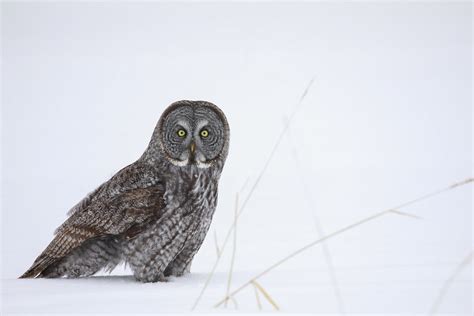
(181, 133)
(204, 133)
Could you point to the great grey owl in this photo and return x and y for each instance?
(152, 214)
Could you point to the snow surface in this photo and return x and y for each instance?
(388, 119)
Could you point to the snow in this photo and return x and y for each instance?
(295, 290)
(388, 119)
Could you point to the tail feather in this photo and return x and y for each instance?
(59, 247)
(40, 265)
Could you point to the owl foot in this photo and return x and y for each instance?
(151, 278)
(177, 271)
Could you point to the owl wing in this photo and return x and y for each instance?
(126, 215)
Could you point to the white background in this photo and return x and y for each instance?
(388, 119)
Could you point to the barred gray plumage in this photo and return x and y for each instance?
(153, 214)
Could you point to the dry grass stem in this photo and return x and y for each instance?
(444, 289)
(308, 195)
(234, 247)
(340, 231)
(244, 186)
(405, 214)
(426, 196)
(216, 243)
(252, 189)
(462, 183)
(274, 149)
(235, 302)
(266, 295)
(257, 297)
(297, 252)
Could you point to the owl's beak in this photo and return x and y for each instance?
(192, 147)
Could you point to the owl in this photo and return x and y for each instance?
(153, 214)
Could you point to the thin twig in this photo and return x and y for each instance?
(257, 181)
(318, 226)
(340, 231)
(234, 247)
(444, 289)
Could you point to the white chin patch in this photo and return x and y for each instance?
(183, 163)
(179, 163)
(202, 165)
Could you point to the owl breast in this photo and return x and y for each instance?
(204, 201)
(171, 242)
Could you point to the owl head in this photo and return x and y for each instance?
(192, 133)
